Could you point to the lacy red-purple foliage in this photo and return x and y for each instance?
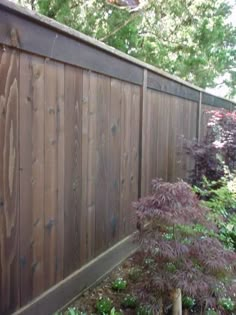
(216, 149)
(180, 251)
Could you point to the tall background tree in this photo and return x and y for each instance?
(191, 39)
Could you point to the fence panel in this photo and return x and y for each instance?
(83, 131)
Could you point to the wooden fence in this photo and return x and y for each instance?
(83, 130)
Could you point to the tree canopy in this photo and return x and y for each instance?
(191, 39)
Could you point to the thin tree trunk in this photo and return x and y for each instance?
(185, 311)
(177, 302)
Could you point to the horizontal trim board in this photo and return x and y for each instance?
(35, 18)
(112, 62)
(65, 291)
(208, 99)
(32, 37)
(159, 83)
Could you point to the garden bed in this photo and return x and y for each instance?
(131, 273)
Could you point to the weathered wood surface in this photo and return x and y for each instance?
(71, 163)
(166, 120)
(9, 181)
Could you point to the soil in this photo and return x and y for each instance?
(87, 301)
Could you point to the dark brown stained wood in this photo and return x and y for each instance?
(154, 134)
(215, 101)
(60, 171)
(199, 117)
(61, 294)
(9, 181)
(55, 45)
(142, 135)
(114, 132)
(31, 177)
(26, 217)
(85, 143)
(173, 128)
(92, 125)
(53, 39)
(148, 142)
(102, 146)
(51, 173)
(167, 86)
(134, 159)
(125, 157)
(73, 168)
(163, 135)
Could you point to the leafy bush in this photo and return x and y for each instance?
(104, 305)
(222, 202)
(71, 311)
(114, 312)
(216, 150)
(227, 303)
(144, 310)
(182, 252)
(119, 284)
(135, 273)
(188, 302)
(129, 301)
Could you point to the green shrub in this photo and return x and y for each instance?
(130, 301)
(222, 202)
(119, 284)
(227, 303)
(211, 311)
(144, 310)
(135, 273)
(104, 305)
(188, 302)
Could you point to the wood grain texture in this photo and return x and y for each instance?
(134, 158)
(31, 177)
(92, 163)
(90, 275)
(60, 98)
(102, 159)
(114, 133)
(53, 218)
(125, 157)
(50, 169)
(9, 181)
(84, 246)
(73, 167)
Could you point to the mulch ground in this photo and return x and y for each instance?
(87, 302)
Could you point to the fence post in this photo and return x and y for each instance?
(142, 105)
(199, 117)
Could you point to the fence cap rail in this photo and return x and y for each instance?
(52, 24)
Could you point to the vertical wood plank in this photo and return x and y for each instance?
(102, 149)
(73, 164)
(60, 170)
(85, 144)
(32, 176)
(92, 164)
(143, 136)
(9, 181)
(114, 162)
(50, 178)
(125, 157)
(26, 217)
(134, 159)
(149, 144)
